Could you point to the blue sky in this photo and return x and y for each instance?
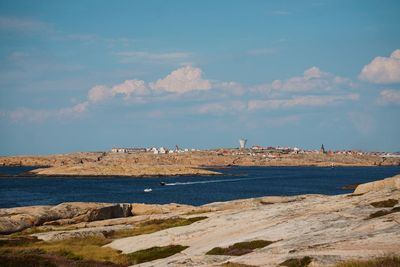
(91, 75)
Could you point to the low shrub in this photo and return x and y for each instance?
(156, 225)
(154, 253)
(298, 262)
(25, 260)
(388, 261)
(240, 248)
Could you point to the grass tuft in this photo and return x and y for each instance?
(76, 249)
(388, 261)
(195, 212)
(156, 225)
(81, 250)
(301, 262)
(26, 261)
(240, 248)
(154, 253)
(385, 203)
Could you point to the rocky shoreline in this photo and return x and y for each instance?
(93, 164)
(324, 230)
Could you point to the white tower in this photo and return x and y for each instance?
(242, 143)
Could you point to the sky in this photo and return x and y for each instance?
(92, 75)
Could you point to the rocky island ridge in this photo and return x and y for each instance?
(205, 162)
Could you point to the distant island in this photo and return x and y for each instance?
(141, 162)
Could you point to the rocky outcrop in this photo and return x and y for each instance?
(148, 209)
(392, 183)
(188, 163)
(17, 219)
(122, 169)
(102, 231)
(328, 229)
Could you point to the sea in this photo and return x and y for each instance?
(235, 183)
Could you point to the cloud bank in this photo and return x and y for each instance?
(183, 80)
(383, 70)
(313, 79)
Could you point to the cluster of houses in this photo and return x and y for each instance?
(265, 151)
(154, 150)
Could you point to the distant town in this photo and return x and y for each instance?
(256, 150)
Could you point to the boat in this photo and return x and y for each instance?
(162, 183)
(147, 190)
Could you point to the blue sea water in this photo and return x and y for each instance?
(236, 183)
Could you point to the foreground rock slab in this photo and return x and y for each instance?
(17, 219)
(329, 229)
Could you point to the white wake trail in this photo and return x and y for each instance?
(213, 181)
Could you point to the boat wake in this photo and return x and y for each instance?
(213, 181)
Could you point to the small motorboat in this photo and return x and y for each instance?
(162, 183)
(147, 190)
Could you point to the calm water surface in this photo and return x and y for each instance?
(237, 183)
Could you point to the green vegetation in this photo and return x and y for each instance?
(385, 203)
(301, 262)
(388, 261)
(240, 248)
(77, 249)
(194, 212)
(152, 226)
(21, 247)
(154, 253)
(26, 261)
(381, 213)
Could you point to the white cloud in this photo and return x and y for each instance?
(22, 24)
(28, 114)
(40, 115)
(232, 88)
(313, 79)
(182, 80)
(305, 101)
(129, 87)
(134, 56)
(99, 93)
(74, 110)
(313, 72)
(383, 69)
(389, 96)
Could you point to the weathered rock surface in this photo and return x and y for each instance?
(101, 231)
(97, 169)
(327, 228)
(391, 183)
(17, 219)
(147, 209)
